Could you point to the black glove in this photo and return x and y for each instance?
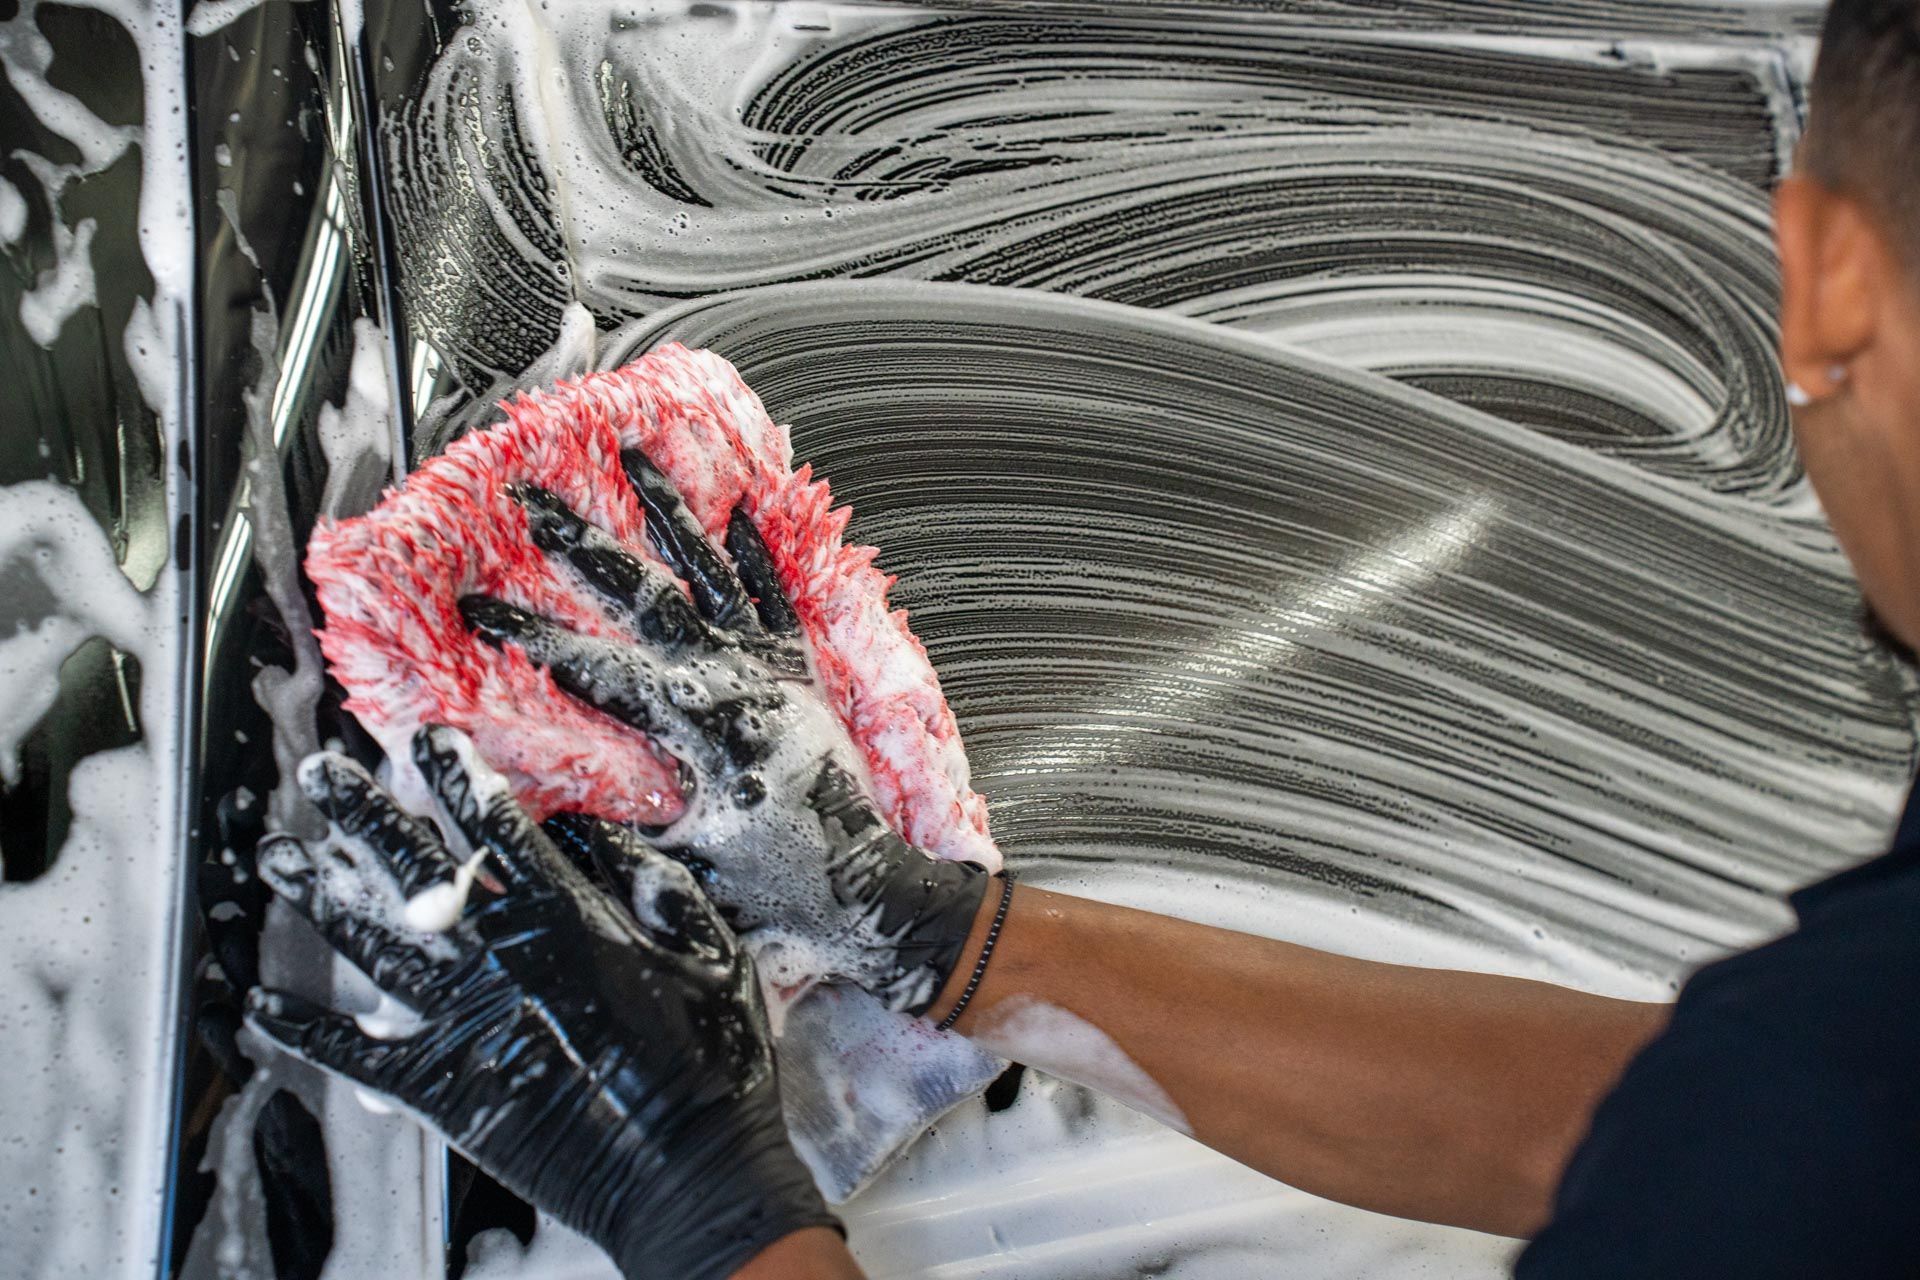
(778, 825)
(611, 1068)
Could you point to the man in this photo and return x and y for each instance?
(1767, 1124)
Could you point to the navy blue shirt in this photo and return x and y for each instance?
(1773, 1130)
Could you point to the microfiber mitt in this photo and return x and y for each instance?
(859, 1081)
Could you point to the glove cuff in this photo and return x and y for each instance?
(914, 910)
(926, 911)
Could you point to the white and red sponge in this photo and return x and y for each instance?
(389, 582)
(858, 1080)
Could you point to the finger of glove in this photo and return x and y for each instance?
(683, 544)
(859, 844)
(355, 921)
(623, 680)
(754, 564)
(644, 598)
(661, 892)
(353, 801)
(480, 804)
(329, 1040)
(574, 833)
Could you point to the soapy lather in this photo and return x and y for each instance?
(864, 1080)
(389, 584)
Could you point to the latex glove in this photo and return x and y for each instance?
(613, 1068)
(777, 824)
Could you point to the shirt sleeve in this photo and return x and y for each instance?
(1768, 1133)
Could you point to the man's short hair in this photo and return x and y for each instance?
(1863, 126)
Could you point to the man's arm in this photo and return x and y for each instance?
(1445, 1096)
(816, 1253)
(1426, 1093)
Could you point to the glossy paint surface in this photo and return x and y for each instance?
(1332, 453)
(1342, 477)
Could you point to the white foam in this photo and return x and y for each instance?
(86, 945)
(48, 533)
(554, 1253)
(26, 54)
(356, 436)
(147, 344)
(388, 1020)
(437, 908)
(90, 947)
(234, 1242)
(808, 935)
(62, 288)
(13, 213)
(261, 529)
(1046, 1036)
(208, 16)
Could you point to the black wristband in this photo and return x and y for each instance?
(986, 954)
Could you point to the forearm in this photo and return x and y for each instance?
(814, 1254)
(1431, 1094)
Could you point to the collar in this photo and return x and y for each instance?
(1903, 857)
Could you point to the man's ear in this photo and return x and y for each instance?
(1833, 267)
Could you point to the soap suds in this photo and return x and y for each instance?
(388, 1020)
(356, 436)
(92, 946)
(13, 213)
(352, 872)
(437, 908)
(1046, 1036)
(63, 288)
(26, 55)
(86, 946)
(209, 16)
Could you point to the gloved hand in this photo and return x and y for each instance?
(613, 1068)
(777, 825)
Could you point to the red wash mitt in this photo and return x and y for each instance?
(862, 1080)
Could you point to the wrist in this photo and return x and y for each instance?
(813, 1253)
(925, 910)
(911, 910)
(962, 973)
